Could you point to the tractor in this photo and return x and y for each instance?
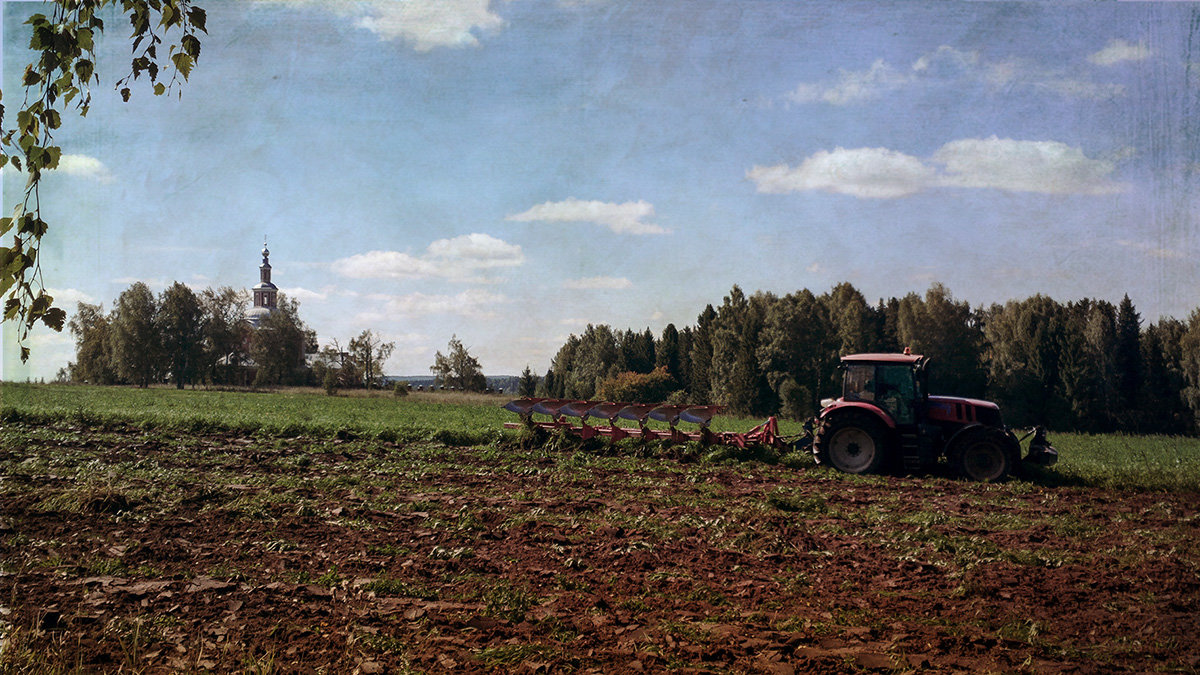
(887, 420)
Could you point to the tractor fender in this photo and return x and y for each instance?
(873, 409)
(1014, 445)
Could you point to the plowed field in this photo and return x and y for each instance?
(151, 551)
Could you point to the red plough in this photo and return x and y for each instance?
(559, 410)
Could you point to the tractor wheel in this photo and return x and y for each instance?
(982, 455)
(852, 441)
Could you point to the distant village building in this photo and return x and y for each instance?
(265, 293)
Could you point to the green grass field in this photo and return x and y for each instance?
(1112, 461)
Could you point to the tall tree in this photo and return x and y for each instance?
(851, 317)
(595, 358)
(368, 351)
(797, 352)
(457, 368)
(180, 324)
(93, 346)
(58, 79)
(527, 385)
(635, 351)
(1023, 341)
(1162, 397)
(279, 344)
(226, 335)
(561, 367)
(949, 332)
(136, 345)
(1087, 371)
(666, 352)
(699, 383)
(735, 379)
(1127, 356)
(1189, 362)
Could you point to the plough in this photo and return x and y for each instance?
(558, 410)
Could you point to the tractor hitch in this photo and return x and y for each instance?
(1040, 450)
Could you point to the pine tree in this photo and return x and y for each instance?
(1128, 356)
(528, 384)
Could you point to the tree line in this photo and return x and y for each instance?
(1086, 365)
(188, 338)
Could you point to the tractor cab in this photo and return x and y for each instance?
(893, 382)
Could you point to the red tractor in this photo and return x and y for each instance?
(886, 419)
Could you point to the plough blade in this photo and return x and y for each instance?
(766, 433)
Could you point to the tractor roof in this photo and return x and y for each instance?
(907, 359)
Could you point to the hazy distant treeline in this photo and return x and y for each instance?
(1085, 365)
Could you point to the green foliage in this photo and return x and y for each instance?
(225, 334)
(93, 346)
(367, 354)
(653, 387)
(329, 382)
(180, 322)
(278, 345)
(947, 332)
(135, 339)
(61, 77)
(400, 389)
(458, 369)
(528, 384)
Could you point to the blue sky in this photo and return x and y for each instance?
(510, 171)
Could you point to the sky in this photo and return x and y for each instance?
(509, 171)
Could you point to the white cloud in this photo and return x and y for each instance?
(429, 24)
(456, 259)
(602, 283)
(479, 251)
(1045, 167)
(876, 173)
(853, 86)
(303, 294)
(1151, 250)
(1120, 51)
(66, 298)
(473, 303)
(953, 67)
(624, 218)
(83, 166)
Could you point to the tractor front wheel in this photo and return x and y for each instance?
(982, 455)
(852, 441)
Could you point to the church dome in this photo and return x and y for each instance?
(257, 315)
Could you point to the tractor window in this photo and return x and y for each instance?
(859, 383)
(898, 392)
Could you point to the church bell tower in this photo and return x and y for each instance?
(265, 292)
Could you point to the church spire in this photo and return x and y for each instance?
(264, 271)
(265, 293)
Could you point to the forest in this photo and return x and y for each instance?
(1086, 365)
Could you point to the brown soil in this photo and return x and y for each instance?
(156, 552)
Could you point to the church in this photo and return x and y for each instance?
(265, 293)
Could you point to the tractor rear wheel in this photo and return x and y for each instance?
(982, 455)
(851, 441)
